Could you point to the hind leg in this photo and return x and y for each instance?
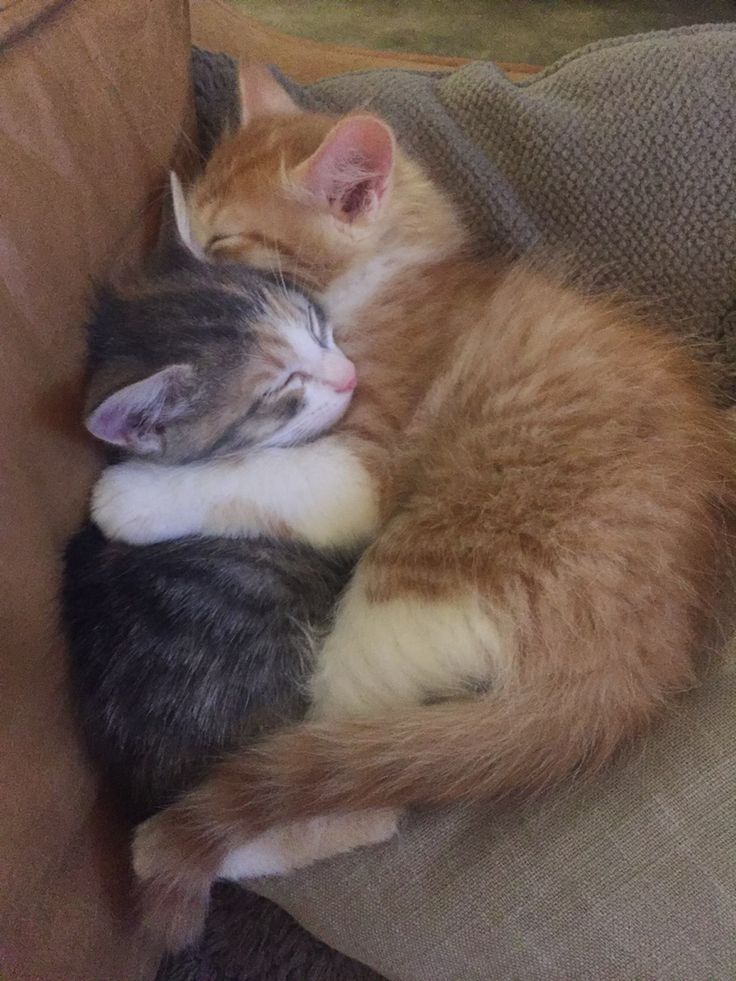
(379, 657)
(301, 843)
(382, 656)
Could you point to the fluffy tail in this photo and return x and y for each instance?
(460, 750)
(471, 750)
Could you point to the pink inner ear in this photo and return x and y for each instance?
(129, 416)
(109, 422)
(261, 95)
(352, 168)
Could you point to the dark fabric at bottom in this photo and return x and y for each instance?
(249, 938)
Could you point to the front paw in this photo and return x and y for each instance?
(174, 876)
(130, 503)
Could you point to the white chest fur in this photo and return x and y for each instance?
(359, 286)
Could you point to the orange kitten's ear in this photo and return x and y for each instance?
(352, 169)
(261, 95)
(181, 216)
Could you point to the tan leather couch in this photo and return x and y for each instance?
(95, 105)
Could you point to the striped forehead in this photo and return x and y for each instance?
(293, 321)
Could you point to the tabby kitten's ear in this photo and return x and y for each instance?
(261, 95)
(136, 417)
(351, 171)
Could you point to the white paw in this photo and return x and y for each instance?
(132, 502)
(374, 827)
(296, 845)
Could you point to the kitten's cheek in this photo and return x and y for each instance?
(335, 412)
(328, 413)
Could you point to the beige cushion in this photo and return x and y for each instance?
(632, 876)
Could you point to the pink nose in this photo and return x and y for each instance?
(337, 371)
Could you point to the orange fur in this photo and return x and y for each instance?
(557, 457)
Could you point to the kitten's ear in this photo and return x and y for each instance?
(182, 224)
(261, 95)
(136, 416)
(176, 248)
(352, 169)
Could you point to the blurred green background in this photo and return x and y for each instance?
(535, 31)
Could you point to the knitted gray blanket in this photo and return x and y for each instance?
(622, 155)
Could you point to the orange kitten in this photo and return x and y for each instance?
(541, 477)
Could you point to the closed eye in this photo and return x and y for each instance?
(251, 238)
(317, 328)
(217, 241)
(296, 377)
(286, 380)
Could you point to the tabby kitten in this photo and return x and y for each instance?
(543, 474)
(183, 649)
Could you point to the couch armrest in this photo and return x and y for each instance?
(94, 97)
